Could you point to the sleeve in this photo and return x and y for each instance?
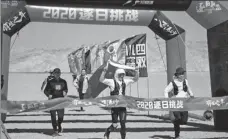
(128, 81)
(104, 80)
(44, 84)
(168, 89)
(65, 89)
(132, 80)
(48, 89)
(189, 89)
(108, 82)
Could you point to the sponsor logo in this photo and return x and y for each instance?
(139, 2)
(208, 7)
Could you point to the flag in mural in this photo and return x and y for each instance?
(130, 52)
(136, 53)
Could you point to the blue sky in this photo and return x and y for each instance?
(59, 35)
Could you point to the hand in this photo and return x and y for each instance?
(50, 97)
(191, 96)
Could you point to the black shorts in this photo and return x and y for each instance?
(120, 112)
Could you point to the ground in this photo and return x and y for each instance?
(92, 123)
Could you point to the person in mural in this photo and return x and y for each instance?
(178, 88)
(50, 77)
(117, 86)
(56, 88)
(81, 83)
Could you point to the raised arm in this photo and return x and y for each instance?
(168, 89)
(102, 77)
(134, 79)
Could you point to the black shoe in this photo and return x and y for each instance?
(55, 134)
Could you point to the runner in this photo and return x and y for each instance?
(179, 88)
(117, 86)
(56, 88)
(81, 83)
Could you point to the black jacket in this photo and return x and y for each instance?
(117, 89)
(56, 88)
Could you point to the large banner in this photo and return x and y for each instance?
(130, 51)
(142, 104)
(16, 22)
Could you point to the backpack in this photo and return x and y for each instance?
(175, 88)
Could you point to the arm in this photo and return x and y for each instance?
(75, 82)
(48, 90)
(189, 89)
(65, 89)
(104, 80)
(168, 89)
(134, 79)
(43, 84)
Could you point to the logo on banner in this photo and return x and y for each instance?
(139, 2)
(90, 14)
(208, 7)
(17, 19)
(166, 27)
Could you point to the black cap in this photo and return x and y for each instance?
(56, 70)
(179, 71)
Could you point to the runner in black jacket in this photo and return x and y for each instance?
(56, 88)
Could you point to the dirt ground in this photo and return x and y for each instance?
(91, 124)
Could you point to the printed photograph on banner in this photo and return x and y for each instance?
(101, 63)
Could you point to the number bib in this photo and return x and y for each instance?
(58, 87)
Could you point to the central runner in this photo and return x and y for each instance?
(117, 86)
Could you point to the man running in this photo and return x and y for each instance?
(179, 88)
(56, 88)
(117, 86)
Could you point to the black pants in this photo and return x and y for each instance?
(120, 112)
(81, 96)
(181, 118)
(56, 123)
